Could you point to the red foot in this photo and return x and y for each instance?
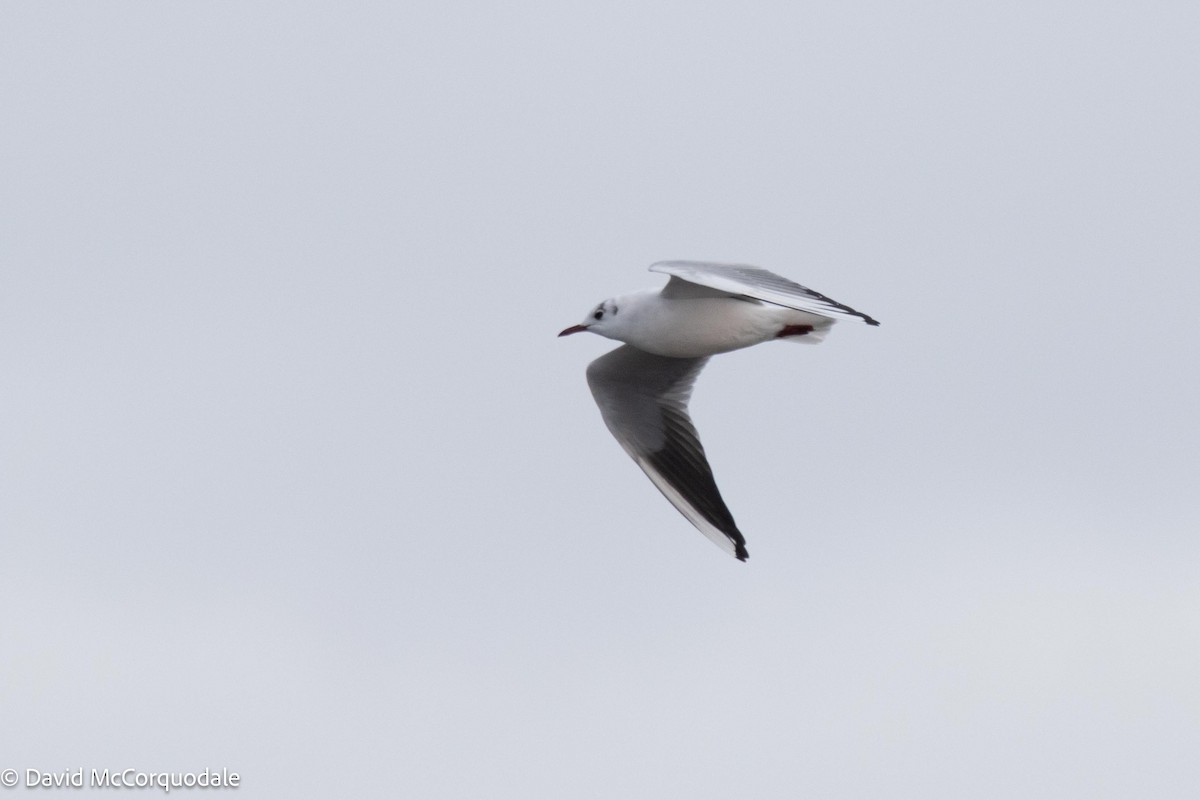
(794, 330)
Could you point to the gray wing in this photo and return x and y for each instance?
(643, 399)
(744, 281)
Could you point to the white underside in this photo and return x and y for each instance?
(694, 327)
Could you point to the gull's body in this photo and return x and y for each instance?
(643, 388)
(693, 327)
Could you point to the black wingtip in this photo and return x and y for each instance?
(871, 321)
(742, 554)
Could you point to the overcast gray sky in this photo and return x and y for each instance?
(296, 480)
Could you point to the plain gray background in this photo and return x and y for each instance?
(295, 478)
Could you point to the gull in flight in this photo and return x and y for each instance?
(643, 387)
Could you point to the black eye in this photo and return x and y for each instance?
(599, 314)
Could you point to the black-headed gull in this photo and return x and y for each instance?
(642, 387)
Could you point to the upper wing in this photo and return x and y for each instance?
(643, 400)
(742, 280)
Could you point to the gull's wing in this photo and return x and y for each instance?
(643, 399)
(744, 281)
